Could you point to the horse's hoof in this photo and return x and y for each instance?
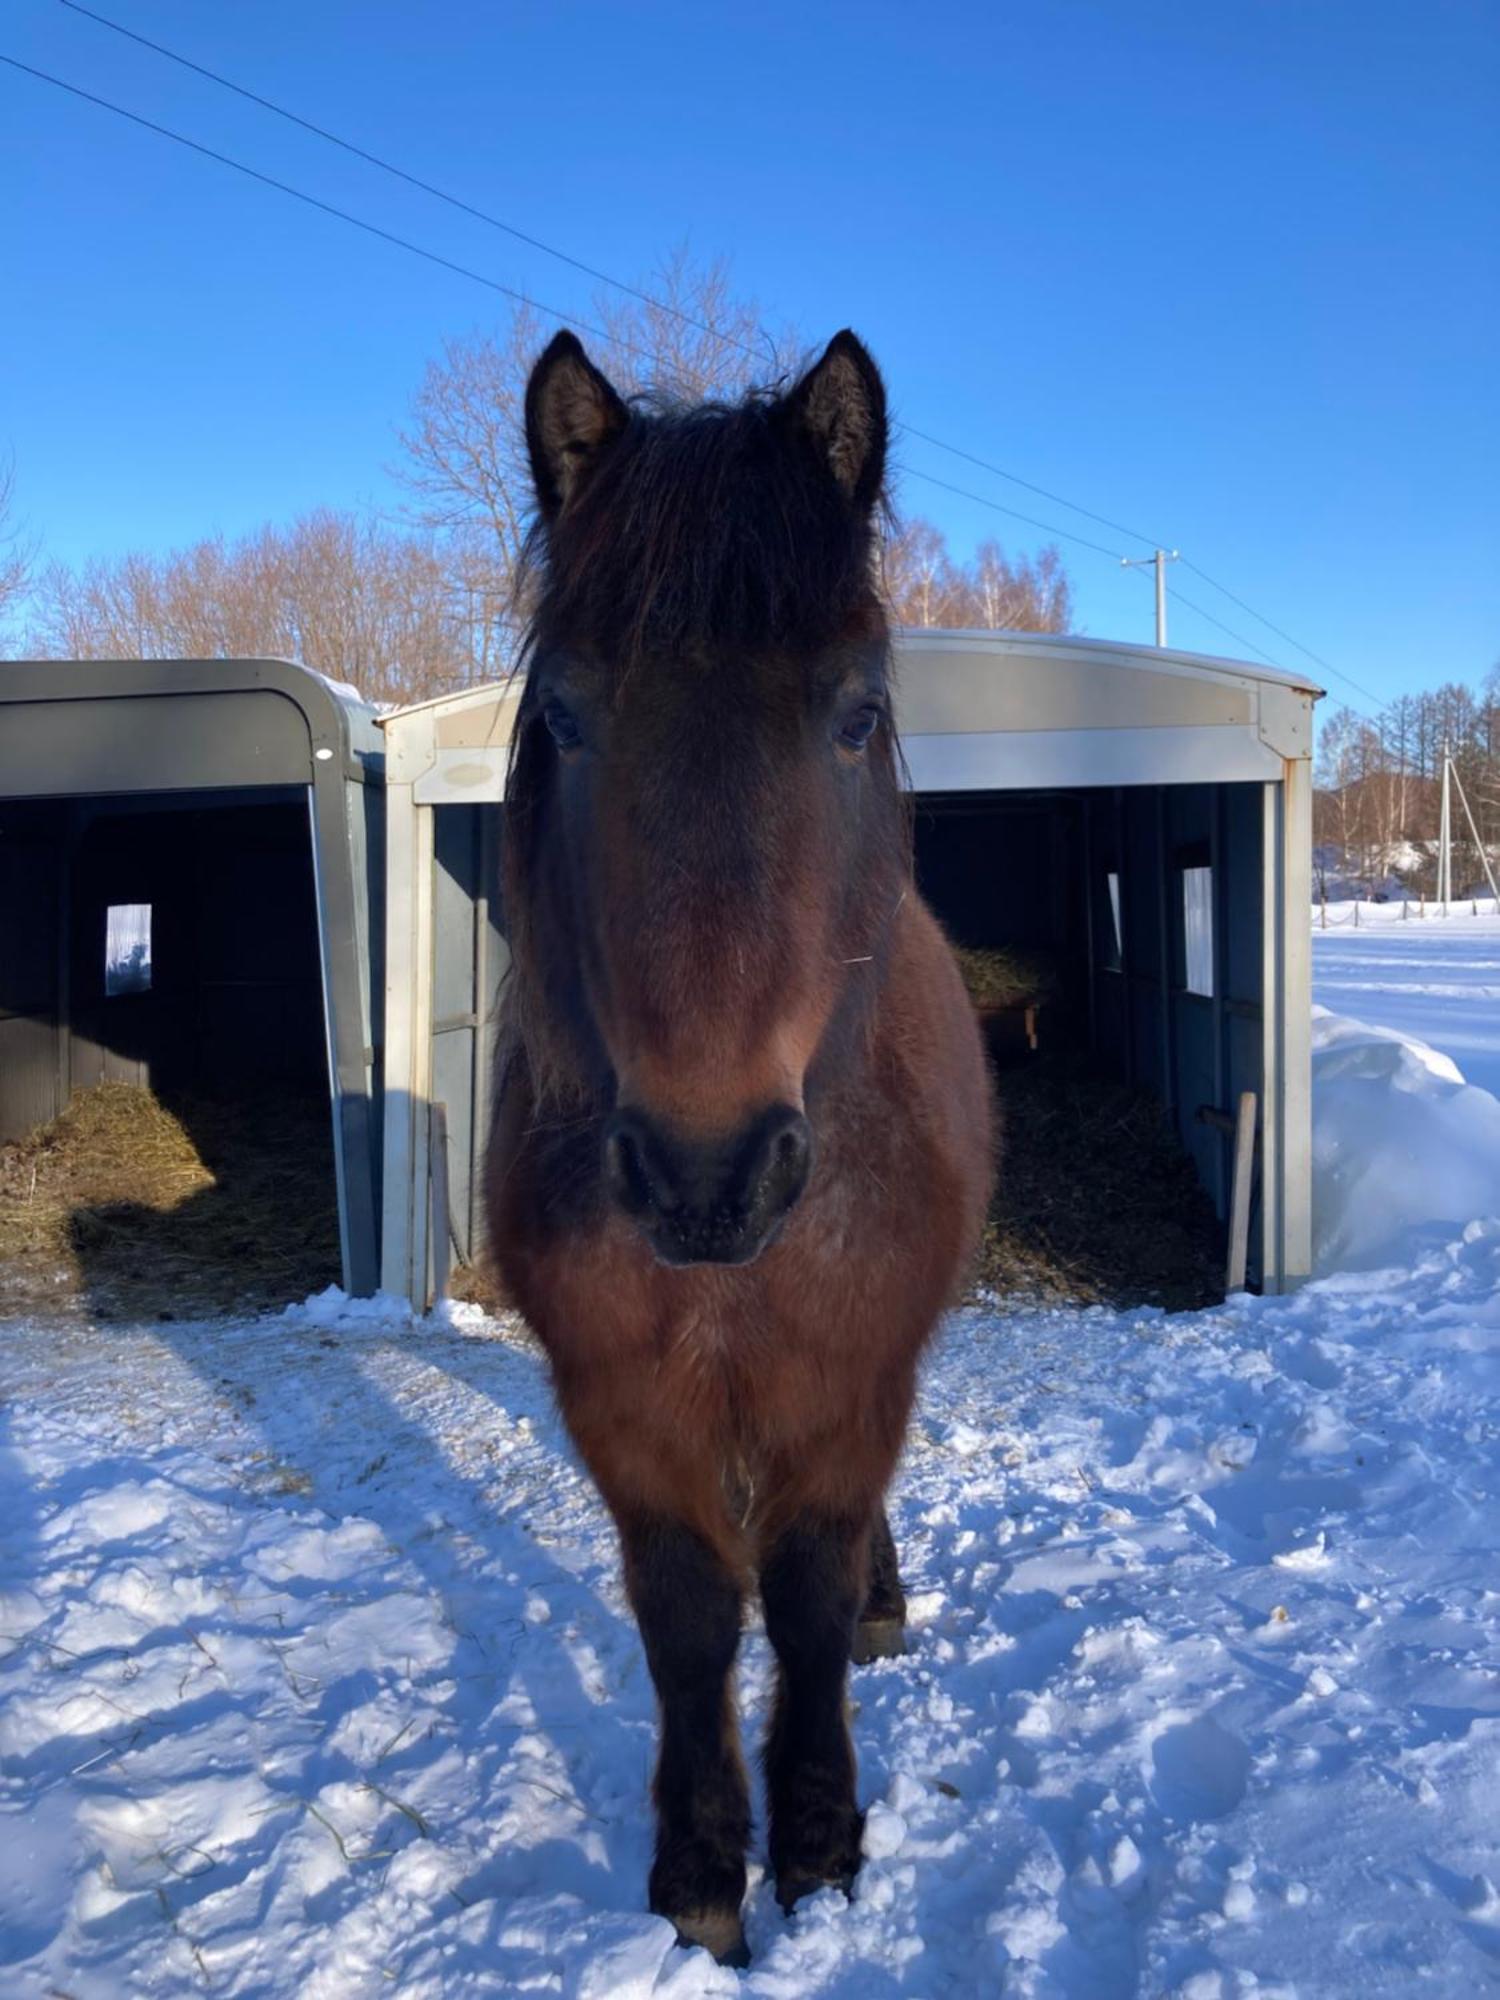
(795, 1883)
(720, 1933)
(822, 1851)
(878, 1639)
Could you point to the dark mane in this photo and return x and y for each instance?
(701, 529)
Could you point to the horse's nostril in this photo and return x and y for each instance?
(625, 1168)
(786, 1161)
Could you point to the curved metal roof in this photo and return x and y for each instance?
(1117, 653)
(978, 711)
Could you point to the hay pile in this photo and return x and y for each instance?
(1096, 1202)
(1005, 978)
(135, 1207)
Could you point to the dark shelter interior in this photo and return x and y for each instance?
(1111, 941)
(165, 1130)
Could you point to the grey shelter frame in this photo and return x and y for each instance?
(1166, 798)
(81, 738)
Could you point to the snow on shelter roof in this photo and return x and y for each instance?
(977, 710)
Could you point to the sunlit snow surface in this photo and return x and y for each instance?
(318, 1682)
(1437, 979)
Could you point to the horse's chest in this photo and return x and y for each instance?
(698, 1365)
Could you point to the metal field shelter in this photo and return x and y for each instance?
(191, 895)
(1141, 815)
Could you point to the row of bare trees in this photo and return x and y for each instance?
(361, 602)
(991, 592)
(413, 607)
(1379, 796)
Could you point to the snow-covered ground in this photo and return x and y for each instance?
(1437, 978)
(318, 1682)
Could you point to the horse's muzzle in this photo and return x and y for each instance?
(707, 1202)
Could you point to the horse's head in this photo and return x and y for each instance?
(705, 834)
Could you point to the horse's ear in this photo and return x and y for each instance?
(572, 414)
(840, 404)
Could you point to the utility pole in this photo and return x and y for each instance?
(1160, 560)
(1445, 836)
(1484, 859)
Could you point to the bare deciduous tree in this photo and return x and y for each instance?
(994, 592)
(1378, 803)
(687, 336)
(1019, 593)
(922, 584)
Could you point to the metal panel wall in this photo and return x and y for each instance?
(32, 966)
(1197, 1052)
(468, 965)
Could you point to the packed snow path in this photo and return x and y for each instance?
(318, 1681)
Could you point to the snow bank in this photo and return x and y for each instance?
(1401, 1144)
(1437, 981)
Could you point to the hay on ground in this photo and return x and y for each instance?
(135, 1207)
(1096, 1203)
(132, 1206)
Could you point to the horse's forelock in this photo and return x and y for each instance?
(703, 530)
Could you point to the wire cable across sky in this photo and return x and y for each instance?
(390, 236)
(567, 317)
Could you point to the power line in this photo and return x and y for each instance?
(326, 207)
(645, 298)
(1031, 520)
(604, 277)
(551, 250)
(689, 319)
(402, 174)
(1179, 597)
(1228, 630)
(450, 264)
(1103, 520)
(1317, 658)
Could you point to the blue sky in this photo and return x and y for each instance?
(1228, 273)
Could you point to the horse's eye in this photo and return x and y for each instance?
(859, 725)
(562, 725)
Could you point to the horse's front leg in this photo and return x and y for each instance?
(812, 1585)
(687, 1603)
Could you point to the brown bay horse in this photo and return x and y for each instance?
(741, 1149)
